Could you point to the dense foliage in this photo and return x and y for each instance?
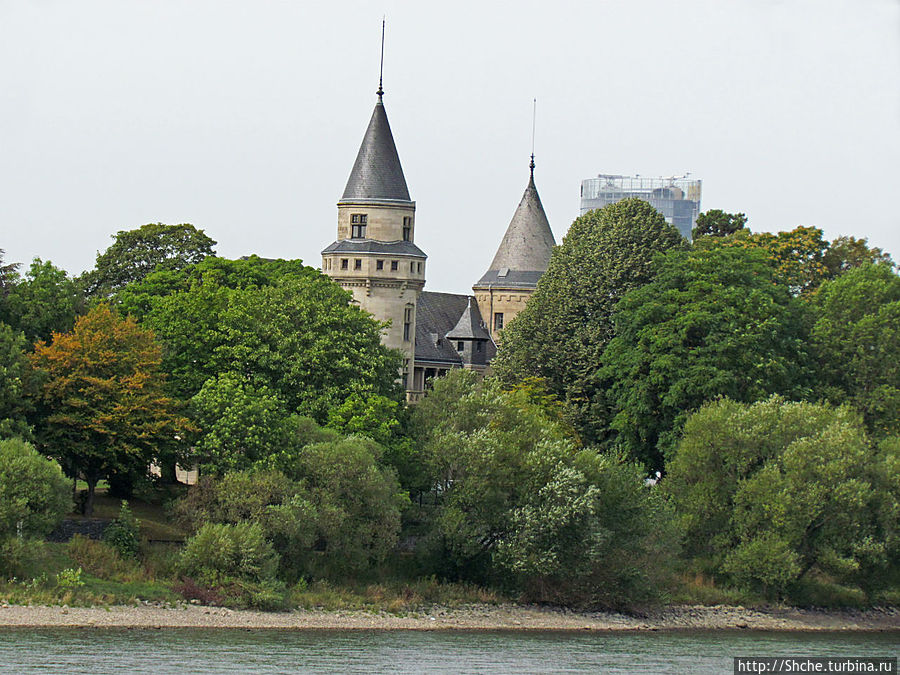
(856, 337)
(771, 490)
(712, 323)
(136, 253)
(519, 503)
(102, 408)
(567, 323)
(34, 494)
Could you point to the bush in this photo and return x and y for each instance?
(219, 552)
(34, 494)
(102, 560)
(772, 491)
(122, 534)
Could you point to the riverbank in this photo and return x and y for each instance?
(471, 617)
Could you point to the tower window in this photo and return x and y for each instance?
(344, 263)
(478, 346)
(358, 225)
(379, 264)
(394, 265)
(412, 268)
(407, 228)
(419, 267)
(407, 323)
(460, 346)
(498, 320)
(357, 264)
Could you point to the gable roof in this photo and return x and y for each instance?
(377, 173)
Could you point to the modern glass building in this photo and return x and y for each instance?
(677, 198)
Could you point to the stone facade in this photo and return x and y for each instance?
(376, 259)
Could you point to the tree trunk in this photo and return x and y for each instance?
(89, 504)
(167, 475)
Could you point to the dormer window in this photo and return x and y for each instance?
(358, 225)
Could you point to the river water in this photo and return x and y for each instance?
(101, 651)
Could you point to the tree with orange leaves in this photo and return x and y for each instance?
(100, 397)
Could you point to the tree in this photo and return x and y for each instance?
(847, 253)
(137, 253)
(857, 340)
(769, 491)
(14, 406)
(34, 494)
(567, 323)
(44, 302)
(102, 409)
(7, 275)
(717, 223)
(519, 504)
(712, 323)
(240, 425)
(300, 338)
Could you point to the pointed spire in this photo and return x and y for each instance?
(524, 253)
(380, 91)
(377, 173)
(469, 326)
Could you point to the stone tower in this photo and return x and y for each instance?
(522, 258)
(374, 256)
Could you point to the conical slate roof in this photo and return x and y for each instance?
(524, 253)
(469, 326)
(377, 173)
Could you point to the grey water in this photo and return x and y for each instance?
(101, 651)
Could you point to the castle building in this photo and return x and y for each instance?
(375, 257)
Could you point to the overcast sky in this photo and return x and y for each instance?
(244, 118)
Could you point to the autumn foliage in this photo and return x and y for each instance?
(101, 390)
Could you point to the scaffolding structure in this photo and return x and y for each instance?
(677, 198)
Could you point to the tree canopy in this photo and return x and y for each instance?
(567, 323)
(299, 337)
(712, 323)
(102, 409)
(857, 340)
(45, 301)
(136, 253)
(770, 490)
(717, 223)
(14, 404)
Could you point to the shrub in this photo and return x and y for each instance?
(222, 551)
(772, 491)
(102, 560)
(34, 494)
(122, 534)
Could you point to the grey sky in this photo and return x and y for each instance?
(244, 118)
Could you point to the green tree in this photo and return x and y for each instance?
(519, 504)
(847, 253)
(102, 409)
(45, 301)
(34, 494)
(769, 491)
(717, 223)
(14, 405)
(240, 424)
(137, 253)
(712, 323)
(357, 501)
(139, 297)
(857, 340)
(301, 339)
(567, 323)
(8, 275)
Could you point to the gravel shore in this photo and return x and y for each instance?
(472, 617)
